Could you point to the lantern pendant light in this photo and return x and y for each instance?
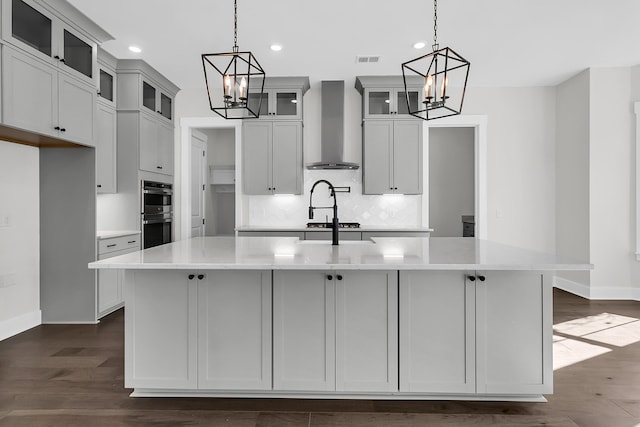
(239, 75)
(444, 74)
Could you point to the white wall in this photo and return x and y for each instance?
(451, 179)
(19, 238)
(520, 163)
(572, 187)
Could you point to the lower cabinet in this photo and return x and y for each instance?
(437, 332)
(234, 334)
(111, 282)
(335, 331)
(514, 328)
(476, 332)
(411, 333)
(161, 329)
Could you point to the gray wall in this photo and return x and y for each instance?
(572, 172)
(451, 179)
(67, 235)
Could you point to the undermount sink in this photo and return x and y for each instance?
(341, 242)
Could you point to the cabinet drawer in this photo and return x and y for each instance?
(118, 243)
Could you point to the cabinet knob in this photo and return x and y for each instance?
(63, 130)
(200, 276)
(56, 57)
(57, 128)
(158, 167)
(191, 276)
(99, 185)
(329, 277)
(339, 277)
(471, 278)
(481, 278)
(61, 59)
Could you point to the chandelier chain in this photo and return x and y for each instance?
(235, 25)
(435, 25)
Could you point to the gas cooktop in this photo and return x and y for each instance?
(328, 225)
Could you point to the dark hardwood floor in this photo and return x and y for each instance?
(72, 375)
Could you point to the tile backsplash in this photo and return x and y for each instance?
(292, 211)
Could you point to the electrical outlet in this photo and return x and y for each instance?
(7, 280)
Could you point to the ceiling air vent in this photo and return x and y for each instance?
(367, 58)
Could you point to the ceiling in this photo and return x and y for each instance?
(508, 42)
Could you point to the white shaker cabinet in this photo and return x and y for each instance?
(366, 331)
(272, 157)
(161, 329)
(303, 331)
(437, 332)
(514, 329)
(106, 126)
(111, 282)
(335, 331)
(234, 344)
(156, 145)
(392, 157)
(39, 98)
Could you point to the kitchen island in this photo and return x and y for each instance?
(388, 318)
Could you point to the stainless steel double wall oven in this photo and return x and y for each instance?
(157, 213)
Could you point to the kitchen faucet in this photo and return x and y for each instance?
(334, 222)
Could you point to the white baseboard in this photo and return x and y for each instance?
(597, 293)
(572, 287)
(16, 325)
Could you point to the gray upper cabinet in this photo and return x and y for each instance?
(37, 29)
(384, 97)
(272, 144)
(272, 157)
(392, 157)
(38, 98)
(140, 87)
(391, 138)
(106, 124)
(142, 94)
(281, 98)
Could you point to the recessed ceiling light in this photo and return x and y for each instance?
(419, 45)
(135, 49)
(276, 47)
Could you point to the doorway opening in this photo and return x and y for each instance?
(208, 177)
(447, 221)
(452, 181)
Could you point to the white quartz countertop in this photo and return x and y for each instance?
(109, 234)
(385, 253)
(365, 228)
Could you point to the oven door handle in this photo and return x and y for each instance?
(156, 221)
(157, 191)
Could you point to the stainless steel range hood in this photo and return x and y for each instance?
(332, 128)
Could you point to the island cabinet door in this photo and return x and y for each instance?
(303, 330)
(367, 331)
(437, 335)
(234, 345)
(514, 312)
(160, 329)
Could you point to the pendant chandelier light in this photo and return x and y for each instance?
(445, 75)
(236, 73)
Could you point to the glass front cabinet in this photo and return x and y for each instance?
(281, 98)
(384, 97)
(33, 28)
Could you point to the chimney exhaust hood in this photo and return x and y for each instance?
(332, 128)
